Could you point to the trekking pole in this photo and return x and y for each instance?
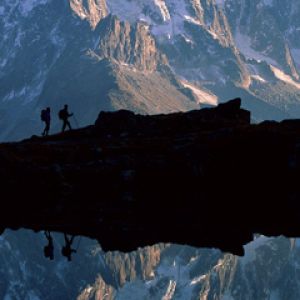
(76, 122)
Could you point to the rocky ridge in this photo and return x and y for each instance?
(145, 179)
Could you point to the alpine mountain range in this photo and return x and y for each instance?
(270, 270)
(149, 56)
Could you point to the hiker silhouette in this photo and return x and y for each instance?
(64, 115)
(46, 117)
(49, 249)
(67, 250)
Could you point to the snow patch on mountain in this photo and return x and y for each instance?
(130, 11)
(258, 78)
(203, 97)
(284, 77)
(198, 279)
(243, 43)
(192, 20)
(172, 13)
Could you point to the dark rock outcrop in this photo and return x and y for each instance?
(204, 178)
(126, 122)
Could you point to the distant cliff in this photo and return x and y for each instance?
(204, 178)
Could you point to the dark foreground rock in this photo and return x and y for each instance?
(204, 178)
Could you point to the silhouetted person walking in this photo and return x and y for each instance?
(64, 115)
(46, 117)
(49, 249)
(67, 249)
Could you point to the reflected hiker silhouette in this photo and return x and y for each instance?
(49, 249)
(46, 117)
(67, 250)
(64, 115)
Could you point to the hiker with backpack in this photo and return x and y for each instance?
(46, 117)
(49, 249)
(64, 115)
(67, 250)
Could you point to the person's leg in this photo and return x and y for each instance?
(64, 126)
(47, 128)
(44, 132)
(69, 125)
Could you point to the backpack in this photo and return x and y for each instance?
(43, 115)
(48, 252)
(61, 114)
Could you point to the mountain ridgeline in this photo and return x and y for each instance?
(146, 56)
(269, 270)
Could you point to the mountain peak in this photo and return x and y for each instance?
(91, 10)
(129, 44)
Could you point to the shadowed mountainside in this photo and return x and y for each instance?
(205, 178)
